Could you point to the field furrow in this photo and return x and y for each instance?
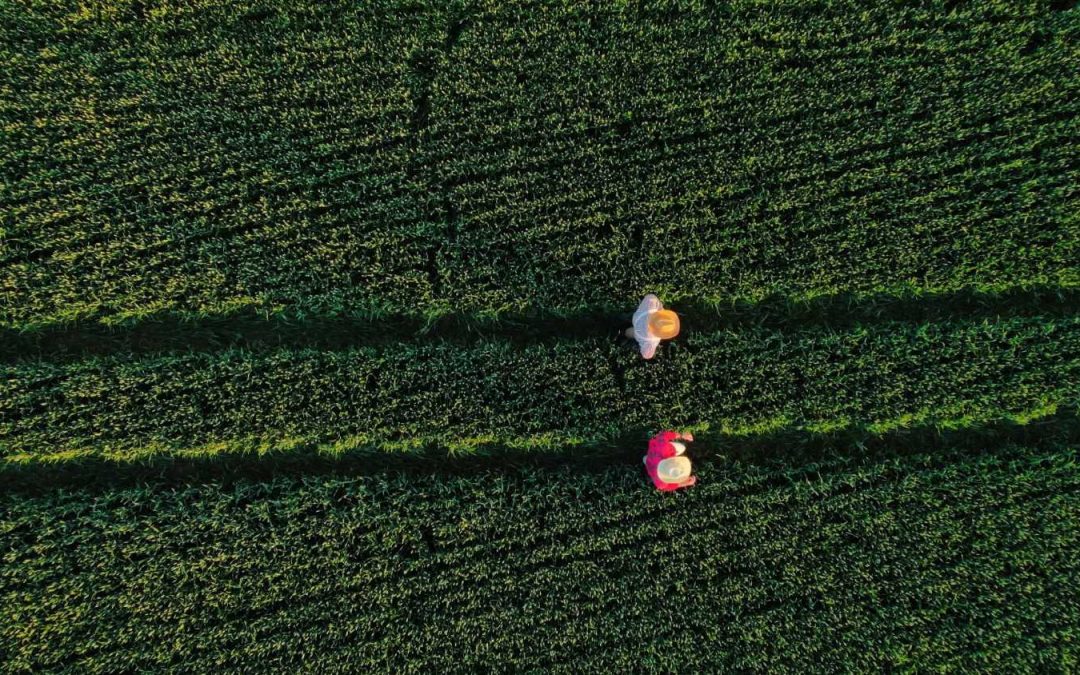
(497, 394)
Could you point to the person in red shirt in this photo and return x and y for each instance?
(665, 463)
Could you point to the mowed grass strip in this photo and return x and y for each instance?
(492, 157)
(957, 560)
(545, 395)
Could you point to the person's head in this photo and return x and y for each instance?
(673, 469)
(664, 324)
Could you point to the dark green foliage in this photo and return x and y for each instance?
(358, 237)
(487, 156)
(739, 149)
(960, 560)
(207, 157)
(550, 393)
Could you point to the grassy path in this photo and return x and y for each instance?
(543, 395)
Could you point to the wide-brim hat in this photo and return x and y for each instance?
(664, 324)
(673, 469)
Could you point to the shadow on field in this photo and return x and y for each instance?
(791, 447)
(177, 333)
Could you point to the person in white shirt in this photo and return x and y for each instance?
(652, 323)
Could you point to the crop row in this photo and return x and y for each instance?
(489, 156)
(496, 394)
(960, 560)
(147, 150)
(748, 150)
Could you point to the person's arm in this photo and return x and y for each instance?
(648, 349)
(685, 437)
(650, 303)
(647, 306)
(666, 487)
(660, 447)
(665, 437)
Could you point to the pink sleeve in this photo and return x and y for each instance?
(666, 436)
(665, 487)
(660, 446)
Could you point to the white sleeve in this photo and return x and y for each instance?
(649, 304)
(648, 347)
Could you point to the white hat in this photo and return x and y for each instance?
(673, 469)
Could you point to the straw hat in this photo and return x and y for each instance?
(664, 324)
(673, 469)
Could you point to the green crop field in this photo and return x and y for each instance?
(961, 560)
(310, 316)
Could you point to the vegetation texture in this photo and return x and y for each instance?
(559, 392)
(310, 317)
(958, 560)
(392, 156)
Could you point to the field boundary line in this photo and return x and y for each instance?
(784, 445)
(174, 331)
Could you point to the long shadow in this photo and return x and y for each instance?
(784, 448)
(172, 332)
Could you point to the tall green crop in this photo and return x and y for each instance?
(410, 158)
(960, 561)
(545, 394)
